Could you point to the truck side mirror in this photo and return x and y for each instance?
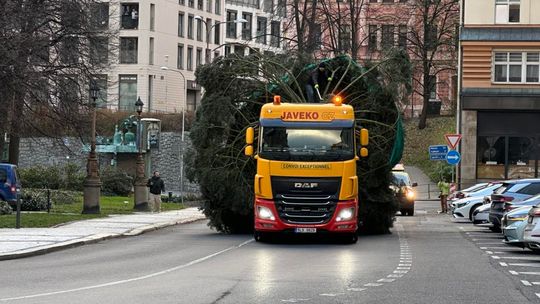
(364, 152)
(364, 137)
(250, 136)
(249, 150)
(415, 184)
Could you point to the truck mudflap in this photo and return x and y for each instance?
(268, 220)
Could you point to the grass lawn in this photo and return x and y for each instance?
(417, 142)
(72, 212)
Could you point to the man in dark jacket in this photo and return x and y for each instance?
(318, 79)
(157, 186)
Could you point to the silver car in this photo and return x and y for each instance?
(514, 223)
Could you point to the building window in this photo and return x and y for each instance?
(198, 57)
(199, 30)
(372, 37)
(101, 82)
(190, 58)
(268, 6)
(345, 37)
(317, 36)
(99, 50)
(152, 16)
(227, 50)
(216, 54)
(130, 16)
(231, 25)
(128, 49)
(217, 32)
(507, 11)
(275, 31)
(200, 4)
(246, 26)
(402, 36)
(432, 87)
(239, 50)
(208, 35)
(191, 3)
(182, 2)
(388, 1)
(180, 57)
(151, 51)
(261, 30)
(516, 67)
(127, 93)
(209, 6)
(181, 24)
(282, 8)
(100, 15)
(491, 151)
(432, 37)
(373, 1)
(190, 27)
(218, 7)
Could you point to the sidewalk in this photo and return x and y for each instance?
(18, 243)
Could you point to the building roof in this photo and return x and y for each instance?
(500, 34)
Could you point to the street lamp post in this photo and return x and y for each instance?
(141, 191)
(92, 183)
(209, 29)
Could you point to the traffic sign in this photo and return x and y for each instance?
(453, 140)
(438, 152)
(453, 157)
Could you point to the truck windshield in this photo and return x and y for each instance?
(298, 144)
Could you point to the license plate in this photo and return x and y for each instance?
(305, 230)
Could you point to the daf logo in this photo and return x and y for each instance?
(306, 185)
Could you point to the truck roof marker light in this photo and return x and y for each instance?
(277, 100)
(337, 100)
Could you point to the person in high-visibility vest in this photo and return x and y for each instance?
(444, 187)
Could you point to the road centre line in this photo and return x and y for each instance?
(144, 277)
(496, 257)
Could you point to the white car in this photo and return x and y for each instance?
(531, 235)
(464, 208)
(462, 193)
(481, 215)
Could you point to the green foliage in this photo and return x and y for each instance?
(116, 182)
(442, 171)
(5, 208)
(33, 200)
(68, 177)
(235, 92)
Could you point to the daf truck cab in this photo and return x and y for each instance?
(306, 180)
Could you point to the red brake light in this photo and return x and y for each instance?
(537, 212)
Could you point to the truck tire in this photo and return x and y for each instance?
(260, 236)
(350, 238)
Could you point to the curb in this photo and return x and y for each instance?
(95, 238)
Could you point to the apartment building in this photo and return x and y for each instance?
(500, 89)
(258, 26)
(160, 45)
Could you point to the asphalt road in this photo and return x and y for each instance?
(427, 259)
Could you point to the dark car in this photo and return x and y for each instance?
(10, 184)
(508, 194)
(403, 190)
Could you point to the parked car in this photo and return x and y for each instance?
(531, 235)
(465, 207)
(10, 183)
(463, 193)
(481, 215)
(510, 191)
(403, 190)
(513, 226)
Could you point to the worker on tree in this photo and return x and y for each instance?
(318, 78)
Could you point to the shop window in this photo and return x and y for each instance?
(521, 157)
(491, 151)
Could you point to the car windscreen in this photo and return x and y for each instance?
(401, 179)
(476, 188)
(302, 144)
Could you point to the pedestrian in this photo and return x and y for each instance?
(319, 77)
(444, 187)
(157, 186)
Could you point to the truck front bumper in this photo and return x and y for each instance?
(277, 225)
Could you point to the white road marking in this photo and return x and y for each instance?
(406, 265)
(295, 300)
(523, 264)
(513, 272)
(538, 295)
(386, 280)
(516, 258)
(503, 264)
(373, 284)
(403, 268)
(500, 248)
(113, 283)
(489, 252)
(330, 294)
(528, 272)
(490, 243)
(496, 257)
(401, 271)
(394, 276)
(356, 289)
(526, 283)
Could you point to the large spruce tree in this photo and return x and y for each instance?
(235, 90)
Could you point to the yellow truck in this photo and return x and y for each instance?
(306, 178)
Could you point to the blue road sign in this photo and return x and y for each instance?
(438, 152)
(453, 157)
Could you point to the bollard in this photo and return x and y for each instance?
(18, 216)
(170, 197)
(429, 191)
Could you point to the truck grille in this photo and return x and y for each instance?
(305, 210)
(306, 200)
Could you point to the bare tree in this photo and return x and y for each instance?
(50, 50)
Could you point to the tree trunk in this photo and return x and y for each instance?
(422, 123)
(14, 141)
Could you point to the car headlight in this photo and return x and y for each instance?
(265, 213)
(345, 214)
(410, 195)
(460, 205)
(516, 218)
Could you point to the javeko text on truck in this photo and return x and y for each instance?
(306, 168)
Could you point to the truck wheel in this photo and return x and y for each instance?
(403, 212)
(260, 236)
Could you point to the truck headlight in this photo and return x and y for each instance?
(345, 214)
(265, 213)
(410, 195)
